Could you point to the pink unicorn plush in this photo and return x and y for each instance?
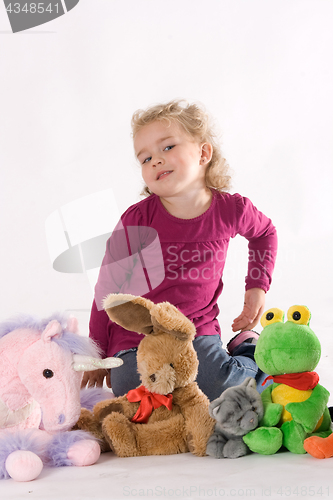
(41, 365)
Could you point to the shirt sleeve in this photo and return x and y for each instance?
(262, 237)
(98, 328)
(115, 275)
(119, 260)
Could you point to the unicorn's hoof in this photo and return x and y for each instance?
(23, 465)
(85, 452)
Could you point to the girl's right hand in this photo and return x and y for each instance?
(96, 378)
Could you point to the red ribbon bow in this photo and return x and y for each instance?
(302, 381)
(149, 401)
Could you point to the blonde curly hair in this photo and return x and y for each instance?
(195, 121)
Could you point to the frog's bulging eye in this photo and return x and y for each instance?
(274, 315)
(299, 314)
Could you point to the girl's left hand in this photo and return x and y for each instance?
(254, 305)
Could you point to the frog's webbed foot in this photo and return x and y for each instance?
(319, 447)
(264, 440)
(293, 436)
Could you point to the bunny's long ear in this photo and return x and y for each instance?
(141, 315)
(130, 312)
(167, 318)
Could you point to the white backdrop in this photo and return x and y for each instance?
(68, 89)
(263, 69)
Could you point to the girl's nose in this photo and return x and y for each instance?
(157, 161)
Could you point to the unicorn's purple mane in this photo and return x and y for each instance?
(69, 341)
(21, 321)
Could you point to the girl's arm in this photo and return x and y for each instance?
(254, 305)
(261, 235)
(98, 329)
(115, 274)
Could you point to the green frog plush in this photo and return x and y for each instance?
(295, 405)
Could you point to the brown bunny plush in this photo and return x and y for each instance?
(168, 413)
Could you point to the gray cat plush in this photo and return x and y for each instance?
(237, 411)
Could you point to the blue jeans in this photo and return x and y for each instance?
(217, 369)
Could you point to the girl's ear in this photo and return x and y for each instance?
(130, 312)
(206, 153)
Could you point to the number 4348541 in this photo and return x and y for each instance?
(32, 8)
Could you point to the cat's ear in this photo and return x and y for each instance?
(249, 382)
(215, 404)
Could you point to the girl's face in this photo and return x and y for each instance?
(172, 162)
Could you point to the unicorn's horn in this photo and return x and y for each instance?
(88, 364)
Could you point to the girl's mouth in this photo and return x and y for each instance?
(163, 174)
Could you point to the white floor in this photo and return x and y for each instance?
(280, 476)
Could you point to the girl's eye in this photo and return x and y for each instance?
(168, 148)
(146, 160)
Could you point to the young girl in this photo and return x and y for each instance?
(172, 246)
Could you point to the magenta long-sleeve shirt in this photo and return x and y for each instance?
(154, 254)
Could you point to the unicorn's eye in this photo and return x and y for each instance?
(48, 373)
